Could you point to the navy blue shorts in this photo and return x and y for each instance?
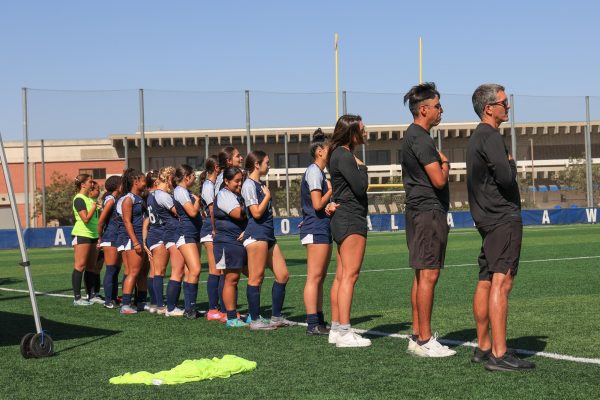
(187, 240)
(230, 255)
(315, 238)
(154, 239)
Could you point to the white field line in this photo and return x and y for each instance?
(554, 356)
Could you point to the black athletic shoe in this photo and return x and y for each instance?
(480, 356)
(508, 362)
(319, 330)
(191, 314)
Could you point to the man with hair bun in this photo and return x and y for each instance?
(495, 205)
(425, 172)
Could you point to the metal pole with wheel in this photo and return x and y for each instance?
(39, 344)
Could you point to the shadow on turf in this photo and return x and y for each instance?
(9, 281)
(18, 325)
(388, 328)
(533, 343)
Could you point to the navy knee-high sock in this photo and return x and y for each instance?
(278, 296)
(187, 295)
(221, 284)
(140, 299)
(212, 290)
(193, 295)
(96, 284)
(253, 294)
(88, 279)
(173, 290)
(115, 288)
(109, 276)
(150, 285)
(158, 290)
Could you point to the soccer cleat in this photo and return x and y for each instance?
(215, 315)
(235, 323)
(412, 345)
(96, 300)
(433, 349)
(128, 310)
(318, 330)
(81, 302)
(281, 322)
(161, 310)
(111, 306)
(151, 309)
(352, 339)
(480, 356)
(333, 336)
(261, 324)
(508, 362)
(177, 312)
(191, 314)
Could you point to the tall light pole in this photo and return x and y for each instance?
(532, 170)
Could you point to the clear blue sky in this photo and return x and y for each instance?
(533, 48)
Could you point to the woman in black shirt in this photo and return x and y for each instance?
(348, 225)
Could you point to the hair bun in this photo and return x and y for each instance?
(318, 136)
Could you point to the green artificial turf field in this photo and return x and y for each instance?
(554, 308)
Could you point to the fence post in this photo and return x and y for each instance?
(142, 132)
(513, 135)
(248, 145)
(44, 221)
(287, 175)
(588, 155)
(25, 156)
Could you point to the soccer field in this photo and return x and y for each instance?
(554, 312)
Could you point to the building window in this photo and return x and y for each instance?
(293, 159)
(95, 173)
(378, 157)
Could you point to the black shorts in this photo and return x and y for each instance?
(426, 237)
(344, 224)
(500, 250)
(83, 240)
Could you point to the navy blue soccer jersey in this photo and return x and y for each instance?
(188, 226)
(161, 219)
(110, 230)
(262, 228)
(137, 217)
(207, 197)
(313, 221)
(227, 229)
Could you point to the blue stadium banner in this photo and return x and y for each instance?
(61, 236)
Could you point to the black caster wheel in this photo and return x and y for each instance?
(41, 345)
(26, 345)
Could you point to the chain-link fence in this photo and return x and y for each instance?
(101, 132)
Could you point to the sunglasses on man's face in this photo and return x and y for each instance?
(503, 103)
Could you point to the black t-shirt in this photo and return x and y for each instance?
(349, 182)
(79, 204)
(418, 150)
(491, 179)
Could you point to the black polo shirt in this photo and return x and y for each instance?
(418, 150)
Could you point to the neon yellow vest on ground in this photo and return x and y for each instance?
(89, 230)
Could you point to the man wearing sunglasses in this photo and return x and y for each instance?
(425, 172)
(495, 205)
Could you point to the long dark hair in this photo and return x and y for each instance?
(256, 156)
(111, 184)
(129, 177)
(346, 132)
(225, 155)
(210, 165)
(229, 173)
(319, 141)
(182, 172)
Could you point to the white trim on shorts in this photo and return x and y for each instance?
(207, 238)
(160, 243)
(249, 241)
(169, 244)
(126, 246)
(106, 244)
(180, 242)
(221, 264)
(308, 239)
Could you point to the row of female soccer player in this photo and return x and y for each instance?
(150, 219)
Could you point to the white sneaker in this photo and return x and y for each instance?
(81, 302)
(352, 339)
(96, 300)
(333, 336)
(177, 312)
(433, 348)
(412, 345)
